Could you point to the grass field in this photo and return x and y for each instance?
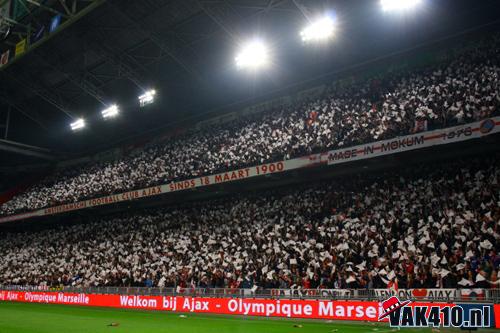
(24, 318)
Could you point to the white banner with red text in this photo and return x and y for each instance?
(419, 293)
(230, 176)
(416, 141)
(372, 150)
(333, 293)
(433, 293)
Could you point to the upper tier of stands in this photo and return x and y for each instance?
(461, 89)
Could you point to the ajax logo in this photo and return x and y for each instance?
(402, 314)
(487, 126)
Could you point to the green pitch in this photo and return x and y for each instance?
(42, 318)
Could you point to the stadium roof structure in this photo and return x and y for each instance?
(110, 51)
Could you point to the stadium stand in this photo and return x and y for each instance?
(463, 88)
(427, 226)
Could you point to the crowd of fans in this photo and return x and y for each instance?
(462, 89)
(421, 227)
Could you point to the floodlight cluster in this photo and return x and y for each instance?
(319, 30)
(256, 54)
(110, 112)
(253, 55)
(78, 124)
(114, 110)
(399, 5)
(147, 98)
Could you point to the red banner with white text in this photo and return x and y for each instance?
(311, 309)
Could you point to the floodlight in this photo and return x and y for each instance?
(147, 98)
(78, 124)
(110, 112)
(319, 30)
(252, 55)
(399, 5)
